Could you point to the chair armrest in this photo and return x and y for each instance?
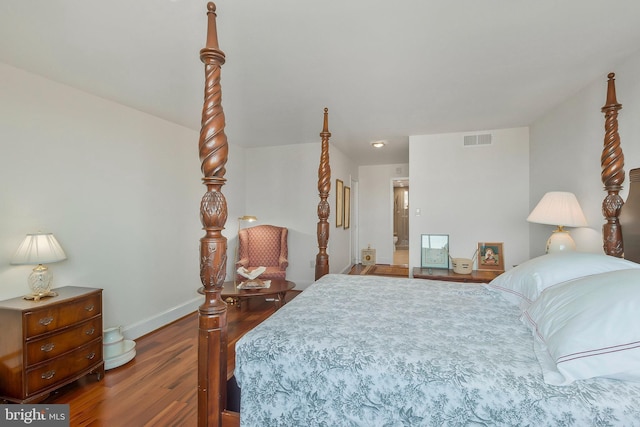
(244, 262)
(283, 262)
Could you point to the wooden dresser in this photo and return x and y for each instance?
(47, 344)
(476, 276)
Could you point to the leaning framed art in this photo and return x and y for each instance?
(339, 202)
(435, 251)
(490, 256)
(347, 207)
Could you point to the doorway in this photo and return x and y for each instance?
(400, 221)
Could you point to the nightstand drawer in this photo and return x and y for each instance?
(40, 321)
(62, 368)
(54, 345)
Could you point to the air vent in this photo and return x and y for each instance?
(472, 140)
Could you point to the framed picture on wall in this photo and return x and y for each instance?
(347, 207)
(435, 251)
(490, 256)
(339, 202)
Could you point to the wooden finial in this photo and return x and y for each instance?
(325, 126)
(612, 102)
(212, 31)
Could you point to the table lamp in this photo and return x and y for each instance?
(39, 248)
(561, 209)
(248, 218)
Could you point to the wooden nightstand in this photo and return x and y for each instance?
(476, 276)
(47, 344)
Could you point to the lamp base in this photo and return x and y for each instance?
(38, 296)
(40, 283)
(560, 241)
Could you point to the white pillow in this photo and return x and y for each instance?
(522, 284)
(588, 327)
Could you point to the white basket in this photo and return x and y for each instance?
(462, 265)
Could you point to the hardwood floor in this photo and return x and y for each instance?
(159, 386)
(401, 257)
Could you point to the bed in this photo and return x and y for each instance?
(508, 353)
(450, 354)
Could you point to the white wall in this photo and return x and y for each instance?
(473, 194)
(120, 190)
(282, 190)
(376, 208)
(340, 239)
(566, 144)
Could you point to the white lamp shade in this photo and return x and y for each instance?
(558, 208)
(39, 248)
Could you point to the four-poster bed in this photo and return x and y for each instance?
(465, 357)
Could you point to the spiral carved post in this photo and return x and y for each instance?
(324, 186)
(212, 315)
(612, 161)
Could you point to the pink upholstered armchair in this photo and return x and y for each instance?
(264, 246)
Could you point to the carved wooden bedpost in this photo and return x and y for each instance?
(212, 315)
(612, 162)
(324, 185)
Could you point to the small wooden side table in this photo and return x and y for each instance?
(277, 290)
(476, 276)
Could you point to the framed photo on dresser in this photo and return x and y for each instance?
(490, 256)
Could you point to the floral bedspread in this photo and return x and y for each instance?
(378, 351)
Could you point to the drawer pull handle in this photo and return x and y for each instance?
(45, 321)
(47, 347)
(90, 331)
(89, 307)
(91, 355)
(48, 375)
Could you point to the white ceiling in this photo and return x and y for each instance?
(385, 70)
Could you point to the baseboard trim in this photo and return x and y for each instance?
(150, 324)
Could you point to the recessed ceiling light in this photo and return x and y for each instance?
(378, 144)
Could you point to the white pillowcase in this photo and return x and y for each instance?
(523, 284)
(588, 327)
